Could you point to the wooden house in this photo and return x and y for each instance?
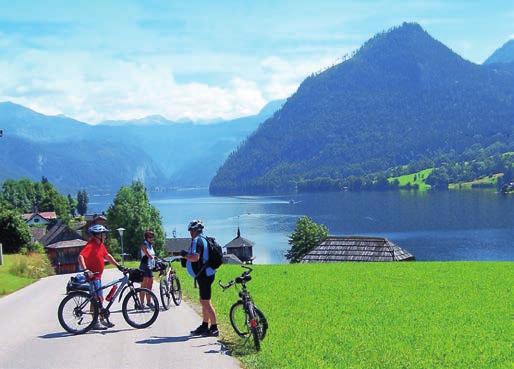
(241, 248)
(356, 248)
(64, 254)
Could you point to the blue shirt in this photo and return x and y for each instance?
(196, 243)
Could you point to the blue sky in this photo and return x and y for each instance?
(97, 60)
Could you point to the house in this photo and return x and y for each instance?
(39, 218)
(37, 233)
(64, 254)
(356, 248)
(90, 220)
(58, 231)
(241, 248)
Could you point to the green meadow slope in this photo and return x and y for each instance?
(375, 315)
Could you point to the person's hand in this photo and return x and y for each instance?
(89, 273)
(183, 253)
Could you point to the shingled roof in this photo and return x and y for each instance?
(356, 248)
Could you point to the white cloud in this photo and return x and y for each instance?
(93, 88)
(119, 90)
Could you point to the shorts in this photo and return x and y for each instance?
(147, 272)
(204, 284)
(95, 285)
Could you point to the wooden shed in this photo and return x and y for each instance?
(356, 248)
(241, 247)
(64, 255)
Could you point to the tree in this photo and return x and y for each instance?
(132, 210)
(14, 231)
(82, 201)
(27, 196)
(72, 203)
(305, 237)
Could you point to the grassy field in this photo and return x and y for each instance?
(414, 178)
(14, 273)
(488, 181)
(376, 315)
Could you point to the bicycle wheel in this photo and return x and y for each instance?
(241, 321)
(77, 312)
(137, 314)
(164, 289)
(176, 290)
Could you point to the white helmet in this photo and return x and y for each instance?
(195, 225)
(97, 228)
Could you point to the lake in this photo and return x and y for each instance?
(451, 225)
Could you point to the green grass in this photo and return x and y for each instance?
(10, 282)
(375, 315)
(414, 178)
(482, 181)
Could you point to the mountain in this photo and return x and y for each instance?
(504, 54)
(401, 97)
(155, 148)
(23, 122)
(74, 165)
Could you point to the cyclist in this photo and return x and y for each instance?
(91, 260)
(147, 265)
(196, 264)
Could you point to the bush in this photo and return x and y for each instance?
(32, 266)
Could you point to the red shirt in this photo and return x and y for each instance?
(94, 253)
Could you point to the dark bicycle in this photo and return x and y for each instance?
(79, 311)
(245, 317)
(169, 284)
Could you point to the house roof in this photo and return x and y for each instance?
(48, 215)
(66, 244)
(58, 232)
(177, 244)
(356, 248)
(37, 232)
(231, 259)
(239, 242)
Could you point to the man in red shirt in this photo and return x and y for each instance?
(92, 261)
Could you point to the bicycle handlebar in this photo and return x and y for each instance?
(233, 282)
(230, 284)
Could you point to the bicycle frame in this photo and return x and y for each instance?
(124, 284)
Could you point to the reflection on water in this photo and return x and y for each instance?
(471, 225)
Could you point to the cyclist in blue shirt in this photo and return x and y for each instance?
(196, 264)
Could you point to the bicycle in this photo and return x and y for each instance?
(169, 284)
(245, 316)
(80, 310)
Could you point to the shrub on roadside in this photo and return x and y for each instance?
(31, 266)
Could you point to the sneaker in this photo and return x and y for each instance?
(106, 323)
(202, 329)
(211, 332)
(150, 305)
(98, 327)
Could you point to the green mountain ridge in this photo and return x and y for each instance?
(403, 96)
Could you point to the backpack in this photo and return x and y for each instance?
(215, 253)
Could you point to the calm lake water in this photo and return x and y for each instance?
(453, 225)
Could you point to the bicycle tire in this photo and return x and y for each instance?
(176, 290)
(139, 309)
(164, 290)
(77, 298)
(239, 320)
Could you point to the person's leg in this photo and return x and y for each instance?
(149, 284)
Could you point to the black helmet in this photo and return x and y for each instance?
(195, 225)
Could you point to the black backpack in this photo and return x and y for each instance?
(215, 253)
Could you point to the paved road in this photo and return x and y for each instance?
(31, 337)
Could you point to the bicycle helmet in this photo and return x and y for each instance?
(149, 233)
(195, 225)
(97, 228)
